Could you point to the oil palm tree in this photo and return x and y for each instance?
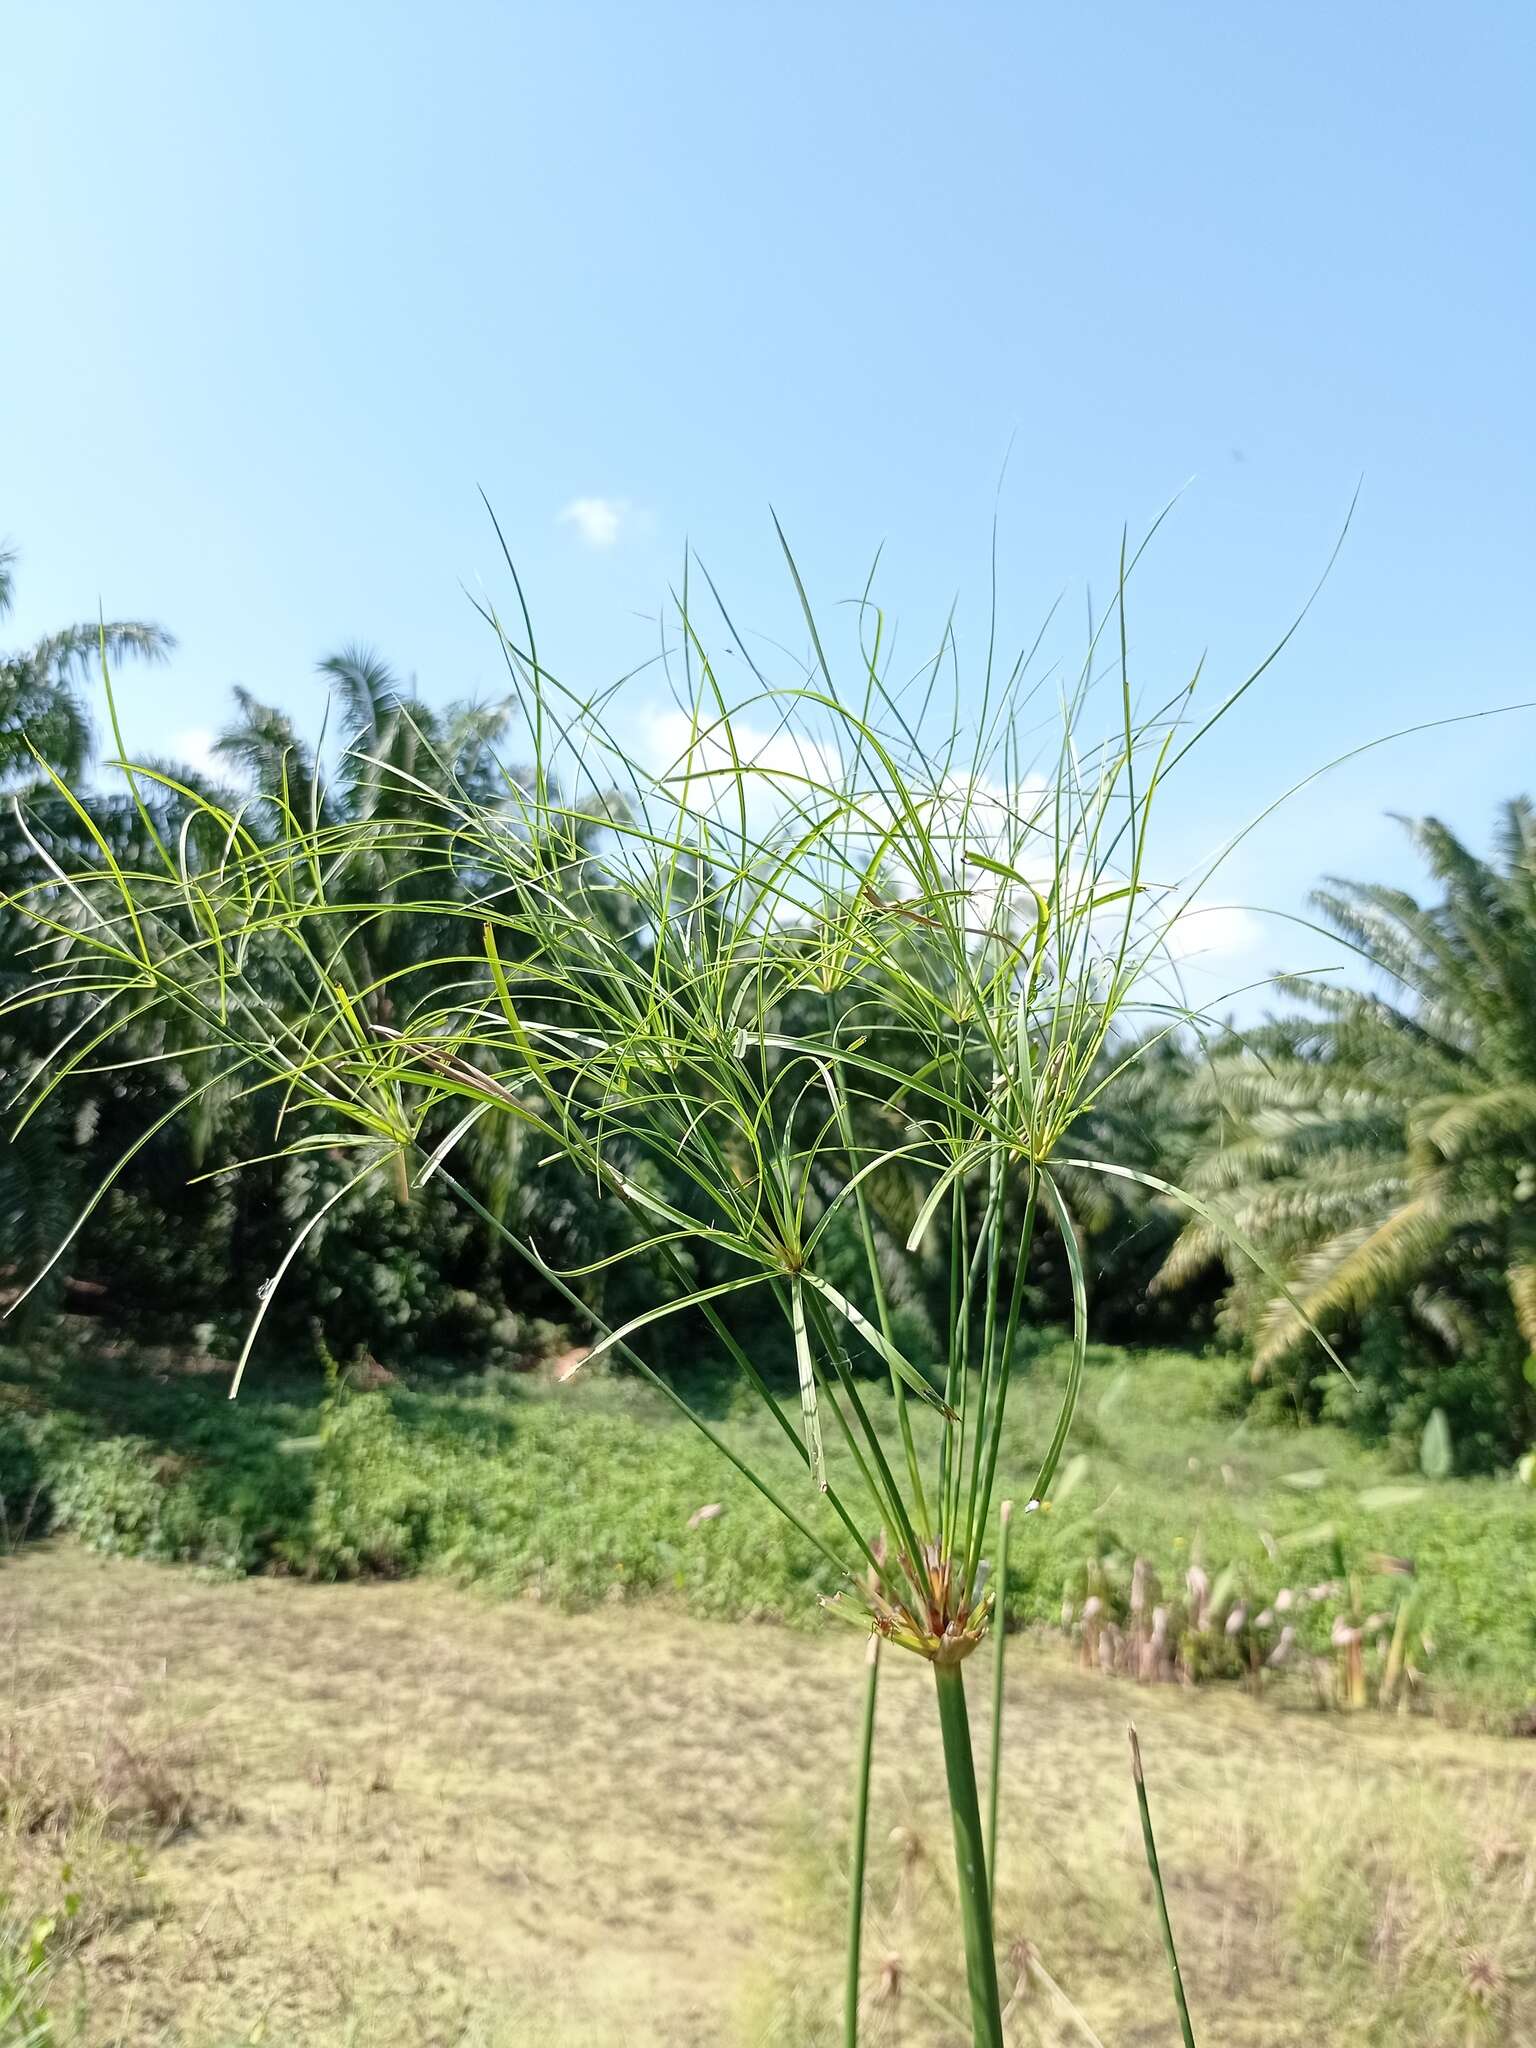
(40, 703)
(42, 715)
(391, 750)
(392, 758)
(1382, 1144)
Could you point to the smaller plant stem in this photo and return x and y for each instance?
(887, 1493)
(860, 1844)
(993, 1236)
(877, 1284)
(970, 1858)
(1003, 1375)
(1150, 1845)
(649, 1373)
(999, 1652)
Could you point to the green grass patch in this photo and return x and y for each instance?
(590, 1491)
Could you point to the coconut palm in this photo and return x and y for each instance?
(1382, 1145)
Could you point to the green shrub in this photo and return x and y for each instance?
(24, 1504)
(111, 1496)
(1400, 1379)
(372, 1508)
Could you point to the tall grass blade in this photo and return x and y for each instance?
(1150, 1845)
(999, 1654)
(860, 1846)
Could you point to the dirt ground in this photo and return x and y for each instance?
(399, 1813)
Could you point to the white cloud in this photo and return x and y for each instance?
(194, 748)
(597, 520)
(1213, 932)
(700, 767)
(781, 768)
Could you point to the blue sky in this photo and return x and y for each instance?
(285, 285)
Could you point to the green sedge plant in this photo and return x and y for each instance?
(836, 950)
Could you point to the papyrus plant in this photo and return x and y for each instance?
(832, 951)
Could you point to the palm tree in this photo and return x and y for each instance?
(42, 715)
(40, 704)
(388, 743)
(1382, 1147)
(392, 756)
(1146, 1113)
(386, 749)
(391, 751)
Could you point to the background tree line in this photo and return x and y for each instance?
(1378, 1140)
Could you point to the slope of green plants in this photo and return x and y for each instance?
(592, 1492)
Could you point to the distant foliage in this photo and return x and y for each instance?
(175, 1252)
(1378, 1142)
(45, 730)
(1357, 1635)
(1381, 1147)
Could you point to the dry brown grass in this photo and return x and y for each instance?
(111, 1781)
(398, 1814)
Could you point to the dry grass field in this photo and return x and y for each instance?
(265, 1811)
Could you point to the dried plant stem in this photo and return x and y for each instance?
(1185, 2029)
(1033, 1969)
(999, 1652)
(970, 1858)
(860, 1844)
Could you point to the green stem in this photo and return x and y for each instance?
(1000, 1635)
(663, 1386)
(954, 1365)
(886, 1494)
(970, 1858)
(860, 1844)
(1005, 1373)
(882, 1572)
(1150, 1845)
(877, 1284)
(994, 1237)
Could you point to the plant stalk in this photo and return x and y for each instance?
(860, 1844)
(970, 1858)
(999, 1652)
(1149, 1844)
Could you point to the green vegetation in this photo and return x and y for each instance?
(172, 1248)
(583, 1494)
(41, 711)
